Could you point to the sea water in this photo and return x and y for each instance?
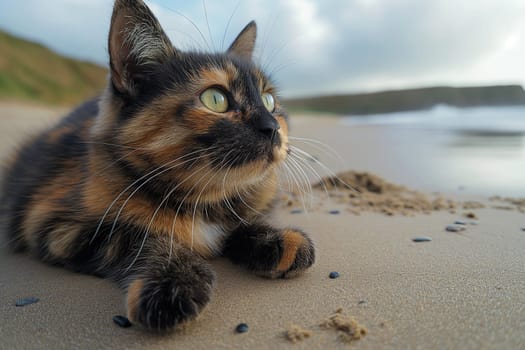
(476, 150)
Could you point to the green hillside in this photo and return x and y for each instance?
(32, 72)
(412, 99)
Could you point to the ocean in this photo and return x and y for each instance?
(474, 150)
(479, 151)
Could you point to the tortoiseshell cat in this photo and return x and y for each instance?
(176, 162)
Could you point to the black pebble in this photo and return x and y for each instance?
(334, 212)
(459, 222)
(454, 228)
(121, 321)
(26, 301)
(296, 211)
(421, 239)
(333, 274)
(361, 302)
(523, 228)
(241, 328)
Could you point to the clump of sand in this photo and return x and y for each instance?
(348, 327)
(364, 191)
(296, 333)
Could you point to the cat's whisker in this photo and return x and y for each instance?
(216, 172)
(111, 144)
(228, 24)
(207, 22)
(226, 199)
(247, 191)
(140, 179)
(285, 170)
(139, 187)
(300, 183)
(304, 162)
(321, 146)
(302, 173)
(189, 21)
(327, 169)
(164, 200)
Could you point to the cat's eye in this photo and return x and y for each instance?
(215, 100)
(268, 101)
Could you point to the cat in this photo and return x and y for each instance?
(176, 162)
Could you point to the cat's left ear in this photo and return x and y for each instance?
(244, 44)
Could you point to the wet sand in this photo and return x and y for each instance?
(461, 290)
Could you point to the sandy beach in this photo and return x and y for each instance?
(461, 290)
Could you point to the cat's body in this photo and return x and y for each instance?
(176, 162)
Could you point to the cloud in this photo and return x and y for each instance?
(314, 46)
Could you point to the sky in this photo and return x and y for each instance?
(313, 47)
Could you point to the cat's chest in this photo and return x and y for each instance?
(209, 237)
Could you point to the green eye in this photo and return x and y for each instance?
(268, 101)
(215, 100)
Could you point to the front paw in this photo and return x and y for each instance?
(270, 252)
(296, 254)
(162, 301)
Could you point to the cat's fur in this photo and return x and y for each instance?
(144, 183)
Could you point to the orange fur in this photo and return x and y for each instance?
(292, 241)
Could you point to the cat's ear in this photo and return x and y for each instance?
(244, 44)
(136, 43)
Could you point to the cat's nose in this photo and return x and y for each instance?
(266, 124)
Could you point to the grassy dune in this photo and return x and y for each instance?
(32, 72)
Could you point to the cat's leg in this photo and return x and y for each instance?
(269, 251)
(167, 289)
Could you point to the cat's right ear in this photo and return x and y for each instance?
(136, 43)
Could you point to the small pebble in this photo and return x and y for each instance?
(296, 211)
(26, 301)
(523, 228)
(473, 223)
(241, 328)
(459, 222)
(121, 321)
(361, 302)
(333, 275)
(334, 212)
(421, 239)
(454, 228)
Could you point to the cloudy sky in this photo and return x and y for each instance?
(314, 46)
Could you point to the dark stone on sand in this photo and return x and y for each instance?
(121, 321)
(459, 222)
(296, 211)
(454, 228)
(26, 301)
(333, 275)
(334, 212)
(241, 328)
(361, 302)
(421, 239)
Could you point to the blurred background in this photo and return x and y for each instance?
(426, 93)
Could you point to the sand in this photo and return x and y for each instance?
(459, 291)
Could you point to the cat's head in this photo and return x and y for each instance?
(212, 117)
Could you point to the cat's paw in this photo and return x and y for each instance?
(165, 300)
(295, 255)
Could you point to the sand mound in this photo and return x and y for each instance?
(368, 192)
(362, 191)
